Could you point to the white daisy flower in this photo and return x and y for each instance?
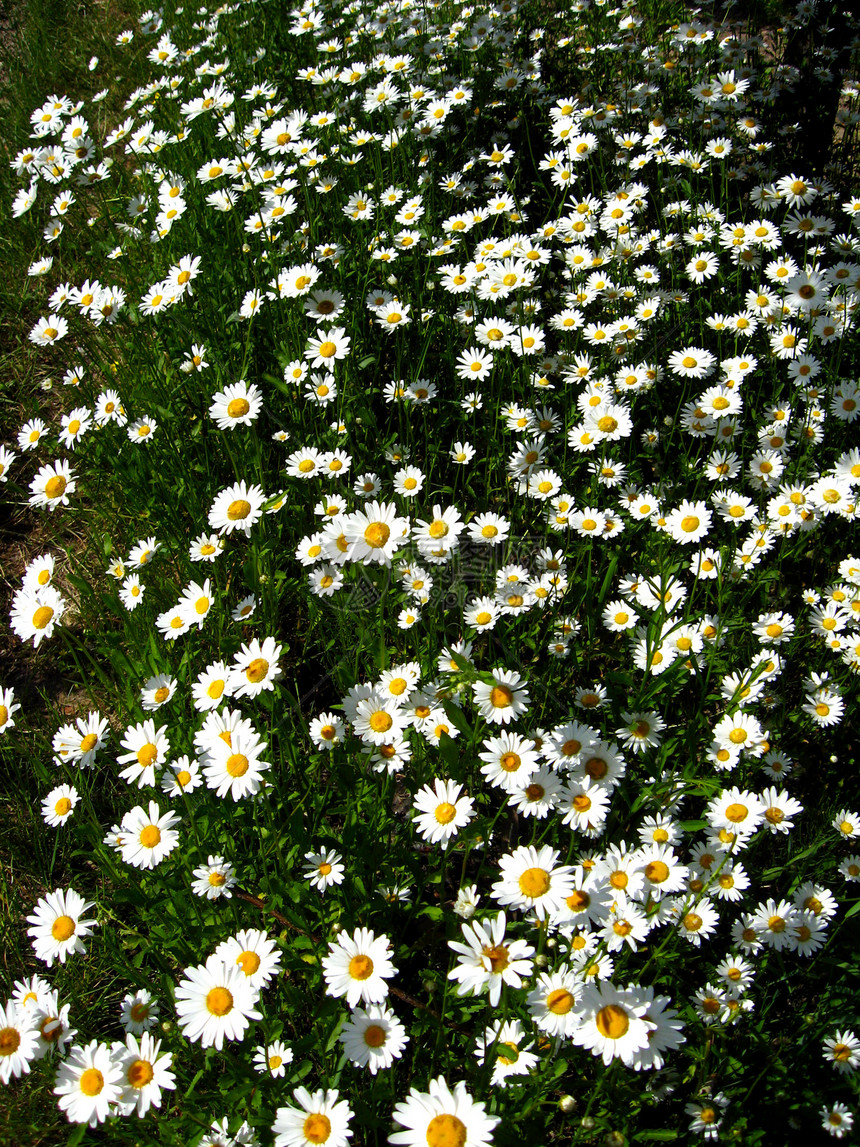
(324, 868)
(255, 952)
(442, 1116)
(612, 1022)
(214, 879)
(58, 929)
(215, 1001)
(319, 1118)
(148, 836)
(357, 967)
(273, 1059)
(443, 812)
(506, 699)
(59, 805)
(89, 1082)
(238, 507)
(19, 1040)
(531, 879)
(139, 1012)
(486, 961)
(255, 668)
(373, 1038)
(144, 1073)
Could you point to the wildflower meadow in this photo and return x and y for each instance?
(431, 588)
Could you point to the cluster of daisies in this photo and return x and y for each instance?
(562, 335)
(95, 1079)
(217, 1001)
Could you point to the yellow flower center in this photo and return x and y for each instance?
(146, 755)
(238, 408)
(248, 961)
(239, 510)
(237, 765)
(597, 768)
(140, 1073)
(361, 967)
(657, 871)
(55, 487)
(534, 882)
(736, 813)
(501, 697)
(219, 1001)
(560, 1001)
(380, 721)
(377, 534)
(374, 1035)
(510, 762)
(446, 1131)
(257, 670)
(91, 1082)
(150, 836)
(445, 813)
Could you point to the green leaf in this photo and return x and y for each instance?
(449, 751)
(458, 719)
(607, 581)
